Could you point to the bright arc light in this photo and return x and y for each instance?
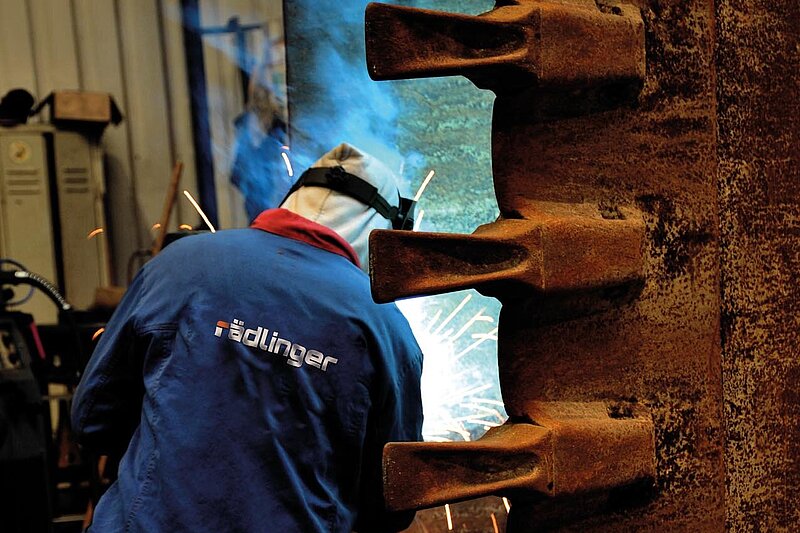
(194, 203)
(288, 163)
(449, 518)
(458, 394)
(424, 184)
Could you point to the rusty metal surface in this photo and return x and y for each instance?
(549, 44)
(758, 67)
(662, 349)
(569, 448)
(556, 248)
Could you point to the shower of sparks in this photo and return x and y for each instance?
(434, 320)
(418, 222)
(288, 164)
(196, 206)
(494, 523)
(449, 518)
(450, 317)
(488, 411)
(481, 338)
(479, 317)
(424, 184)
(95, 233)
(460, 392)
(508, 505)
(98, 333)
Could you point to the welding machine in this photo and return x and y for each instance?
(32, 461)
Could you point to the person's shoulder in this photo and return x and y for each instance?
(390, 318)
(197, 245)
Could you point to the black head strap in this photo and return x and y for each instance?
(338, 179)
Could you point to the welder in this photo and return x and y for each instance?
(248, 376)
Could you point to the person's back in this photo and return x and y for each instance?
(271, 382)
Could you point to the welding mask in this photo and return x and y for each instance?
(353, 193)
(338, 179)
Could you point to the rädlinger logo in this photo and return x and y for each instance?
(260, 338)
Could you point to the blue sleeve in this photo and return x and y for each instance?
(397, 418)
(107, 403)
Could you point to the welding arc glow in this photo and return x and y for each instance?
(288, 163)
(424, 184)
(449, 518)
(467, 391)
(95, 233)
(194, 203)
(487, 410)
(458, 396)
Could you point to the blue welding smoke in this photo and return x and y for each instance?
(332, 99)
(335, 99)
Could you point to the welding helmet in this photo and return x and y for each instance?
(338, 179)
(352, 193)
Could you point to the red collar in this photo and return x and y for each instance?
(287, 224)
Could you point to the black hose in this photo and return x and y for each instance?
(66, 312)
(30, 278)
(6, 301)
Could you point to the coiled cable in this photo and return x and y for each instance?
(19, 266)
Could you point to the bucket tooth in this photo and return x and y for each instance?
(525, 43)
(508, 458)
(568, 449)
(557, 251)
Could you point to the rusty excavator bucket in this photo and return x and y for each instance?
(538, 248)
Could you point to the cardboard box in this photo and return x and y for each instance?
(81, 110)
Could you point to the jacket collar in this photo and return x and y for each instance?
(293, 226)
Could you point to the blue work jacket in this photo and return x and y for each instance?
(251, 382)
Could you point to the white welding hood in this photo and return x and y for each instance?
(347, 216)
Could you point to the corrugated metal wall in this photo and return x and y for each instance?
(134, 50)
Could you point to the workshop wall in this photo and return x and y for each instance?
(135, 51)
